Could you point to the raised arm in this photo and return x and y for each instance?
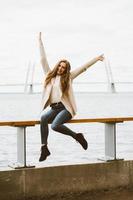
(44, 61)
(81, 69)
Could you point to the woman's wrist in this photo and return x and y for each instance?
(97, 58)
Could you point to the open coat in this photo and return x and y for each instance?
(68, 100)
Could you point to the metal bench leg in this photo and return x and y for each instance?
(21, 149)
(21, 145)
(110, 142)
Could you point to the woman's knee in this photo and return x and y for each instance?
(54, 127)
(43, 119)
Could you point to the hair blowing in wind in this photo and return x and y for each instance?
(64, 77)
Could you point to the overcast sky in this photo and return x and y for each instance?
(74, 29)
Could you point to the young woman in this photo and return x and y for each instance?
(58, 94)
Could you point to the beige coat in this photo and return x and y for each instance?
(67, 100)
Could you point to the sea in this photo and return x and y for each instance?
(64, 150)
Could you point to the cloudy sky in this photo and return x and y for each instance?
(74, 29)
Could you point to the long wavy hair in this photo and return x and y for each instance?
(65, 77)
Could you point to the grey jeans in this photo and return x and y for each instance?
(57, 117)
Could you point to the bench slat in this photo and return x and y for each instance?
(34, 122)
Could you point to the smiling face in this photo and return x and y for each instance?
(62, 67)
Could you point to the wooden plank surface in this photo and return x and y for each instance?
(89, 120)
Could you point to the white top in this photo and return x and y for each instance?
(55, 95)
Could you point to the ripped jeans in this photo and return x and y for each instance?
(57, 116)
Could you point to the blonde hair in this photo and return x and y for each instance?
(64, 77)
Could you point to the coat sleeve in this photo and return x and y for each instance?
(81, 69)
(43, 58)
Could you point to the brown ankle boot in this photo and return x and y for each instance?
(80, 138)
(44, 153)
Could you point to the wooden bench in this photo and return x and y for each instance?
(110, 136)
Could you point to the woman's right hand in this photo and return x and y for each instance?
(101, 57)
